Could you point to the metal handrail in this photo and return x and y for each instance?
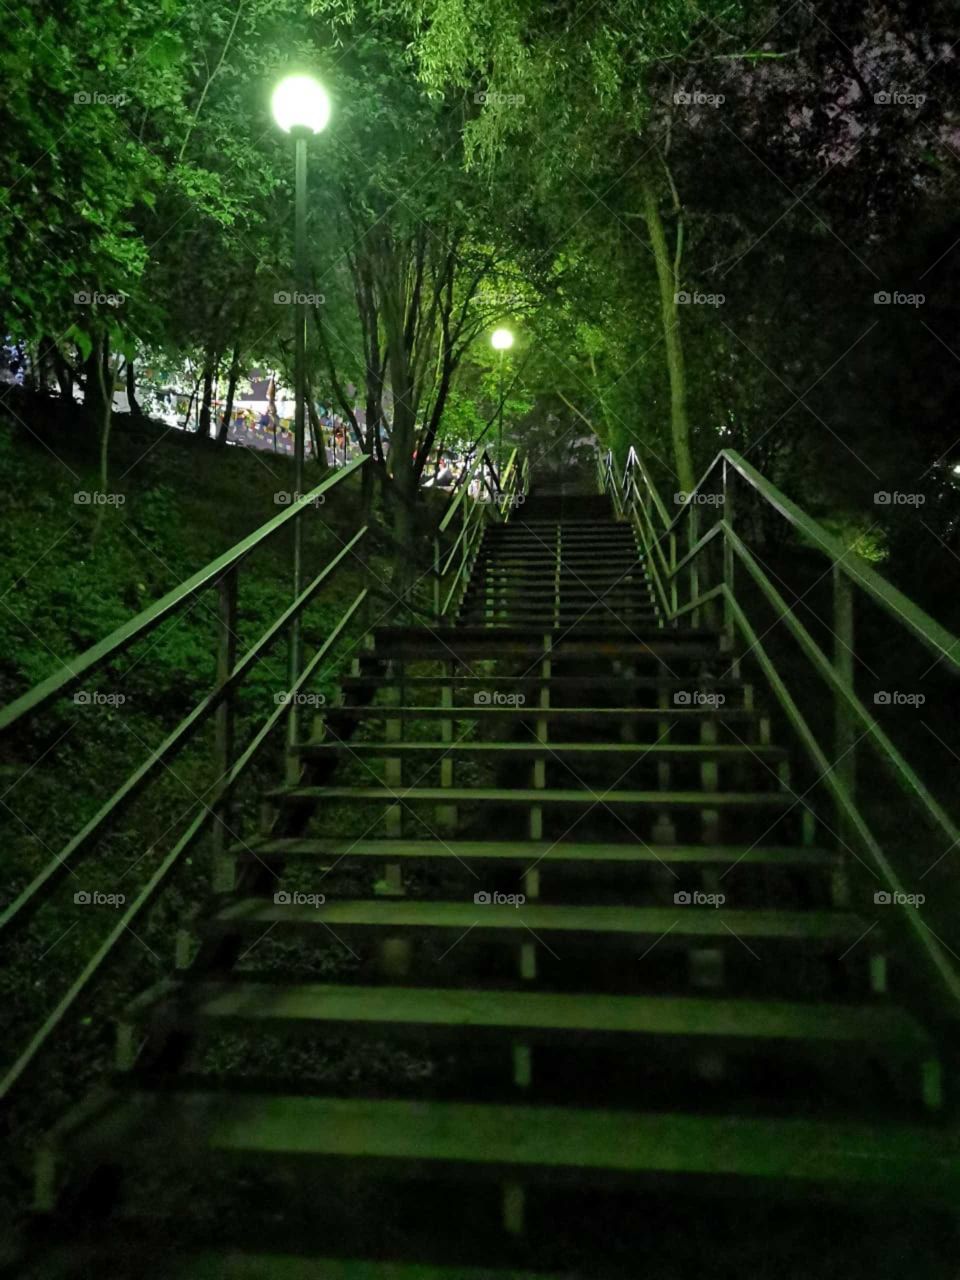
(58, 866)
(222, 573)
(173, 858)
(509, 489)
(639, 502)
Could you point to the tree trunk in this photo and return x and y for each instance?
(316, 433)
(132, 390)
(105, 382)
(232, 379)
(64, 373)
(193, 396)
(209, 370)
(94, 385)
(680, 427)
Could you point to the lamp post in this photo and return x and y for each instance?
(301, 108)
(501, 340)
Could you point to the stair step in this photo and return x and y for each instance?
(615, 616)
(736, 752)
(658, 682)
(524, 795)
(629, 590)
(476, 711)
(495, 643)
(576, 538)
(602, 606)
(596, 572)
(387, 634)
(547, 556)
(537, 1143)
(524, 853)
(574, 563)
(275, 1266)
(544, 1016)
(675, 925)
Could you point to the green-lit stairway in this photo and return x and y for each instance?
(679, 1010)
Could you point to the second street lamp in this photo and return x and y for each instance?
(301, 108)
(501, 340)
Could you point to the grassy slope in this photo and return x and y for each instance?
(64, 585)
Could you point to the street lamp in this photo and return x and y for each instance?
(301, 108)
(501, 340)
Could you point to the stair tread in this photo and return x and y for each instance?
(470, 711)
(540, 1140)
(656, 749)
(526, 852)
(676, 921)
(563, 682)
(545, 795)
(212, 1265)
(460, 633)
(552, 1011)
(495, 643)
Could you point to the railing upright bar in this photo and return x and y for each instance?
(845, 735)
(693, 532)
(436, 577)
(224, 715)
(729, 561)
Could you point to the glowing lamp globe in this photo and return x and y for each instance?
(501, 339)
(300, 102)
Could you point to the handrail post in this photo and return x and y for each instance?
(224, 722)
(674, 603)
(845, 736)
(729, 563)
(694, 528)
(436, 577)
